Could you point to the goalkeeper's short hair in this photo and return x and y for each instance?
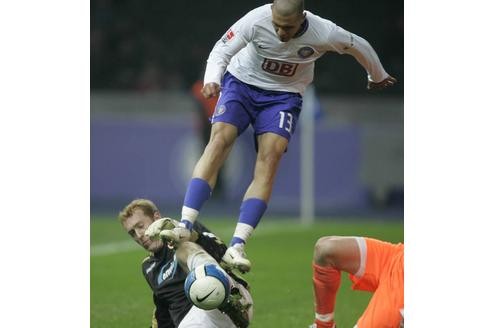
(147, 206)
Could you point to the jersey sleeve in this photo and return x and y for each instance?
(236, 38)
(345, 42)
(144, 266)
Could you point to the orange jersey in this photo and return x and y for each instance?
(384, 276)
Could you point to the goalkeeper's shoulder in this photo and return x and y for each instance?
(146, 260)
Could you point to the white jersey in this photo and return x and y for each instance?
(252, 52)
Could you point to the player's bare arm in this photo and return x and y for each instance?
(210, 90)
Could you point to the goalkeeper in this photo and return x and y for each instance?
(166, 269)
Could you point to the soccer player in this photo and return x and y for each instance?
(166, 269)
(373, 265)
(260, 68)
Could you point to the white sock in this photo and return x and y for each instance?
(242, 231)
(189, 214)
(199, 258)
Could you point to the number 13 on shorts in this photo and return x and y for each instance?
(286, 120)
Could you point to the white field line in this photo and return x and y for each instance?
(114, 247)
(130, 245)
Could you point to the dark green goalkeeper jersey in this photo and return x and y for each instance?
(166, 278)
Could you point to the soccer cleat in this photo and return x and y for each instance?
(237, 308)
(235, 258)
(177, 234)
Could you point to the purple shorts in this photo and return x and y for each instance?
(241, 104)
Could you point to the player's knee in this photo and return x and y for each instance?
(325, 251)
(218, 143)
(270, 159)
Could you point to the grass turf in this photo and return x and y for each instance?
(281, 253)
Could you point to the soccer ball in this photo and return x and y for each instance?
(207, 286)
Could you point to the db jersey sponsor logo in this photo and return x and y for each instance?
(279, 67)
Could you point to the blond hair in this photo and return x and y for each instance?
(147, 206)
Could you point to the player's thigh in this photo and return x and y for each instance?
(197, 318)
(383, 310)
(279, 118)
(234, 113)
(376, 259)
(378, 256)
(233, 106)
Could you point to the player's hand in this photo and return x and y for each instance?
(153, 231)
(387, 83)
(210, 90)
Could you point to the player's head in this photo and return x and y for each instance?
(287, 18)
(136, 217)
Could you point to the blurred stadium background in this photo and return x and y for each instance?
(146, 135)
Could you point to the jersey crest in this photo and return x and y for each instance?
(305, 52)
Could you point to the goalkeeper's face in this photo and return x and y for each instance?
(136, 225)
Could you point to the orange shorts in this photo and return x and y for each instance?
(384, 276)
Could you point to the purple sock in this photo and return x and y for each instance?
(252, 210)
(198, 192)
(237, 240)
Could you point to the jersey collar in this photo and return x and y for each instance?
(302, 29)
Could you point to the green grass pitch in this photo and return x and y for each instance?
(281, 253)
